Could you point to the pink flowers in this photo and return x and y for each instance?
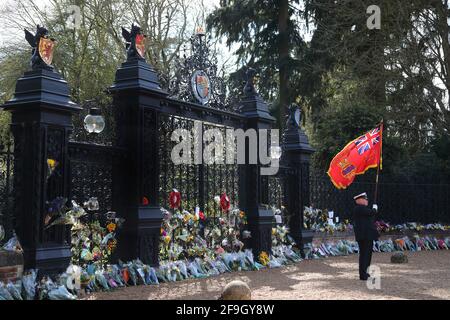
(382, 226)
(442, 244)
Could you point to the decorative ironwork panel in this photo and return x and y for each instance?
(196, 78)
(6, 186)
(398, 202)
(276, 190)
(150, 155)
(149, 243)
(54, 177)
(91, 173)
(198, 183)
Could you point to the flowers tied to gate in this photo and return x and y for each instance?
(225, 202)
(59, 214)
(51, 166)
(92, 241)
(174, 199)
(195, 234)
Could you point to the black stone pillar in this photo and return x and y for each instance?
(41, 124)
(296, 156)
(252, 184)
(137, 99)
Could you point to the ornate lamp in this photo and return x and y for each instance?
(275, 152)
(94, 121)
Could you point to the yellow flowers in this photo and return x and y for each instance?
(187, 217)
(274, 231)
(167, 239)
(111, 227)
(112, 244)
(264, 258)
(52, 163)
(242, 214)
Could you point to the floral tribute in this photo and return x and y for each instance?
(318, 220)
(384, 227)
(94, 278)
(93, 238)
(190, 235)
(193, 246)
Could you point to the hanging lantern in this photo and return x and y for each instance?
(174, 199)
(94, 121)
(275, 152)
(224, 202)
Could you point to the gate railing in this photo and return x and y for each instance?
(92, 168)
(6, 186)
(398, 202)
(197, 182)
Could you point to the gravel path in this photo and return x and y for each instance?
(426, 276)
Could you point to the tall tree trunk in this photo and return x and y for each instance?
(283, 51)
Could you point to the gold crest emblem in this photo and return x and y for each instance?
(140, 45)
(46, 47)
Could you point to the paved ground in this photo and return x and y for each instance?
(426, 276)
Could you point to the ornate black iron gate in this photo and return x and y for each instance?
(137, 165)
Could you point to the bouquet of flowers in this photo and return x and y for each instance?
(400, 244)
(317, 220)
(382, 226)
(4, 292)
(93, 242)
(232, 261)
(29, 284)
(264, 258)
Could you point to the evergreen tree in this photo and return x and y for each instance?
(269, 41)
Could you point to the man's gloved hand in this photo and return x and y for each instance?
(375, 207)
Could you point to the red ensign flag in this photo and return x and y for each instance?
(356, 158)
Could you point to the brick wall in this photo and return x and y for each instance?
(11, 266)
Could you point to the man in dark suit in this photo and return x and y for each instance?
(365, 231)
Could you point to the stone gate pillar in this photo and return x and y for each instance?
(252, 185)
(296, 155)
(137, 98)
(41, 124)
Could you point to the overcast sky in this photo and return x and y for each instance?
(226, 56)
(7, 33)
